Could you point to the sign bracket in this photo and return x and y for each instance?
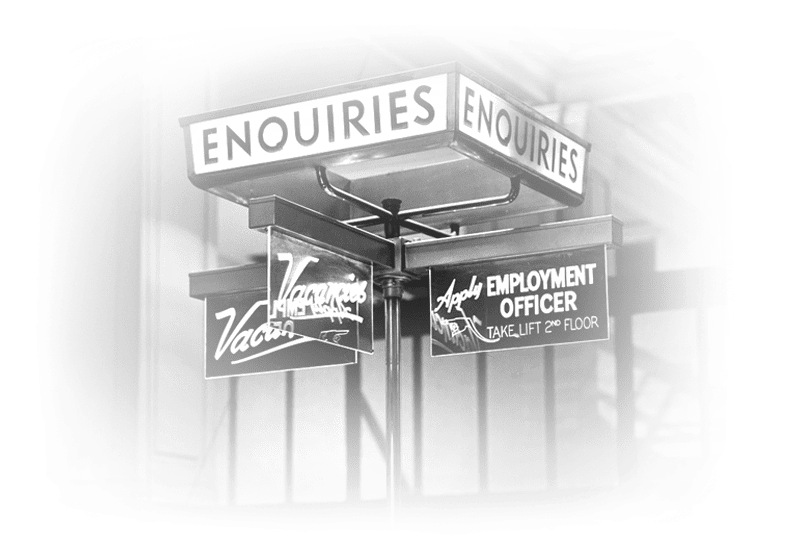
(512, 243)
(319, 228)
(382, 214)
(501, 200)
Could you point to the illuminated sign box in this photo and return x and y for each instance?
(430, 136)
(539, 300)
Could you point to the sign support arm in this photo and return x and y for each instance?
(508, 198)
(382, 213)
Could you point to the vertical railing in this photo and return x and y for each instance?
(551, 455)
(233, 388)
(702, 382)
(626, 398)
(634, 266)
(352, 382)
(289, 471)
(417, 406)
(483, 423)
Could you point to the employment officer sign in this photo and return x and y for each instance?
(539, 300)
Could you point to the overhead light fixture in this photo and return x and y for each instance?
(432, 136)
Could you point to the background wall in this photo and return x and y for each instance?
(90, 261)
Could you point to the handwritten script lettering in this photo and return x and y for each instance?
(334, 300)
(460, 331)
(453, 299)
(238, 341)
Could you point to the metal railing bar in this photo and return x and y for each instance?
(471, 204)
(382, 214)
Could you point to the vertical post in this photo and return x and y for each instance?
(289, 472)
(352, 382)
(702, 383)
(551, 453)
(483, 443)
(392, 285)
(233, 400)
(627, 453)
(392, 292)
(633, 261)
(417, 366)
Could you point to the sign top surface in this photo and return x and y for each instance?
(444, 126)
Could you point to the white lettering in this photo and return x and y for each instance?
(516, 279)
(543, 148)
(544, 301)
(569, 300)
(590, 269)
(553, 278)
(239, 341)
(506, 307)
(533, 287)
(453, 299)
(503, 286)
(335, 300)
(356, 118)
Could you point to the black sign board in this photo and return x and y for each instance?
(241, 339)
(317, 293)
(546, 299)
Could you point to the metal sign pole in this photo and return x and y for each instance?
(392, 292)
(392, 285)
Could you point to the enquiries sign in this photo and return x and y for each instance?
(318, 126)
(538, 300)
(529, 141)
(420, 119)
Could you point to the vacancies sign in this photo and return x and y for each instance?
(242, 339)
(319, 294)
(539, 300)
(420, 118)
